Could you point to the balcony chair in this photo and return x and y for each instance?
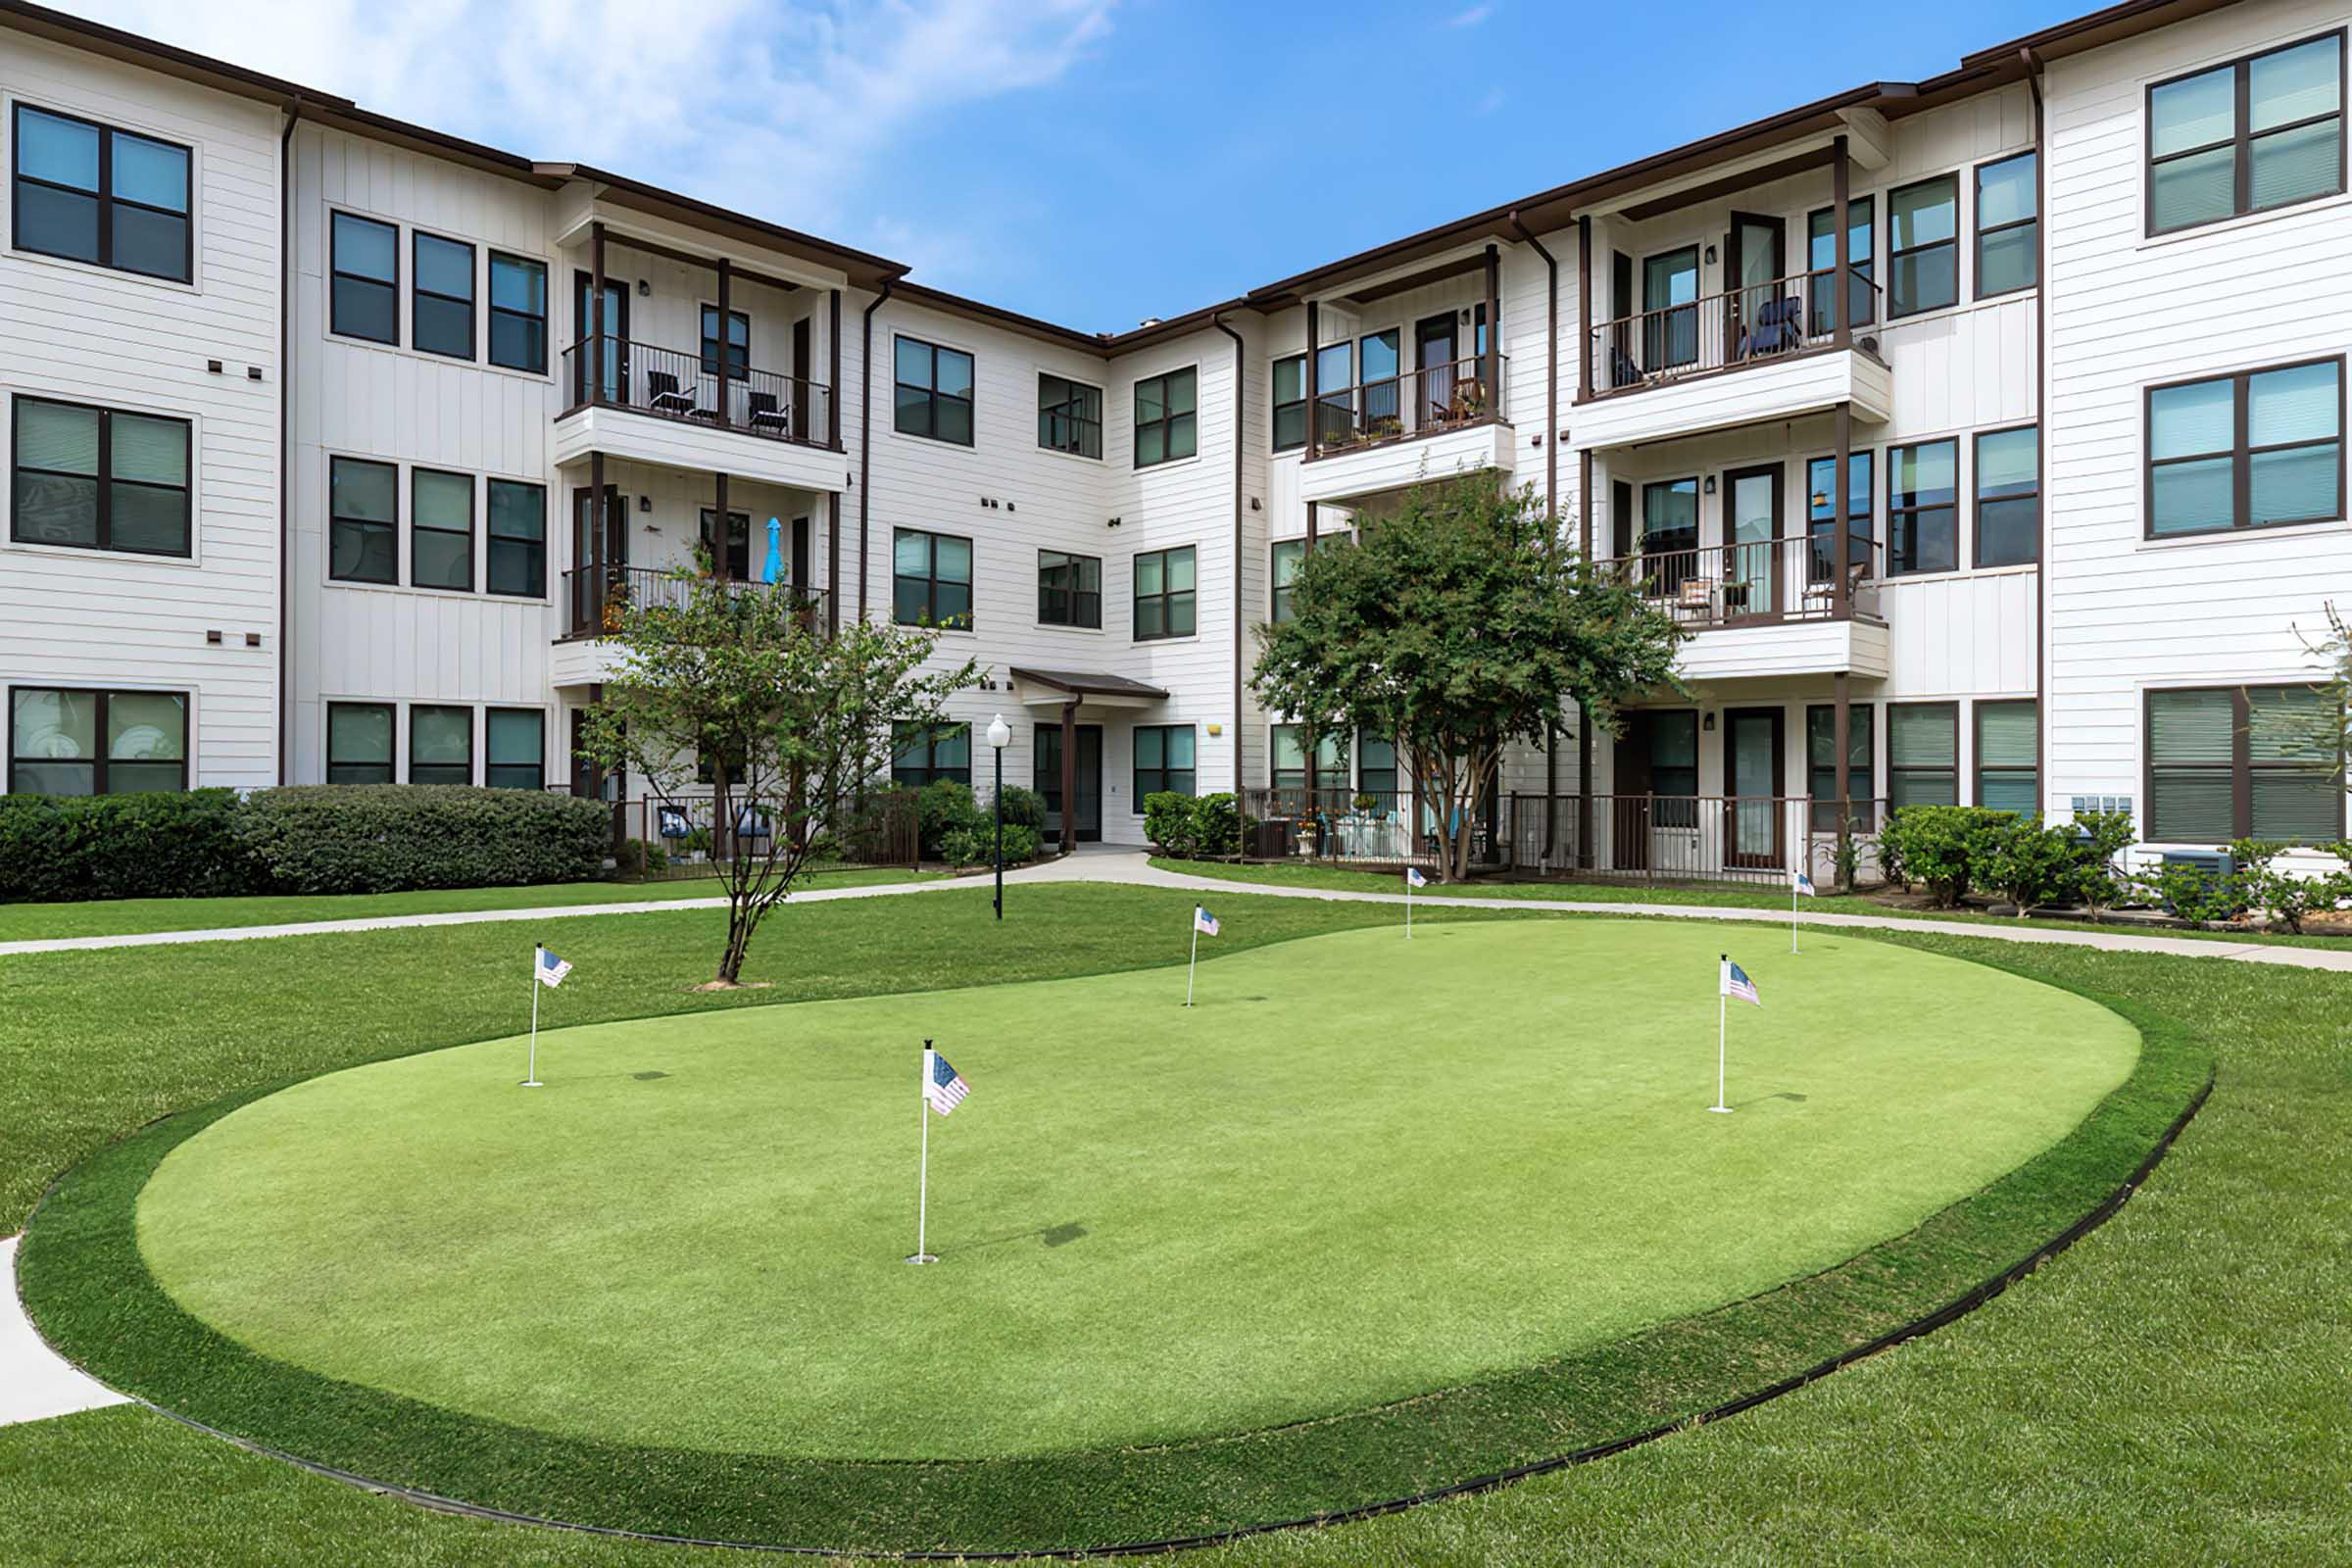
(1779, 327)
(1623, 371)
(1697, 600)
(663, 394)
(766, 416)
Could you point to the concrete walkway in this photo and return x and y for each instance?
(35, 1382)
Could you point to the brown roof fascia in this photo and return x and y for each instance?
(2094, 29)
(863, 268)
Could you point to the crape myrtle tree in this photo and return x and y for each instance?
(1458, 624)
(790, 718)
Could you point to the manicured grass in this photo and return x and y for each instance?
(1337, 879)
(1353, 1222)
(106, 917)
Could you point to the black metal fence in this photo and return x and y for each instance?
(684, 837)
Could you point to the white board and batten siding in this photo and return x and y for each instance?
(88, 334)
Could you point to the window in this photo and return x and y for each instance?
(2009, 755)
(1669, 308)
(2008, 479)
(91, 193)
(64, 742)
(441, 315)
(1166, 427)
(441, 529)
(1288, 756)
(517, 312)
(1821, 766)
(1069, 589)
(1861, 303)
(1290, 403)
(1288, 554)
(358, 743)
(1923, 246)
(1335, 394)
(934, 392)
(1923, 753)
(1164, 596)
(1163, 762)
(2246, 451)
(1379, 355)
(516, 739)
(440, 745)
(99, 480)
(2008, 225)
(923, 755)
(363, 506)
(1674, 768)
(518, 539)
(1376, 771)
(932, 579)
(1821, 482)
(739, 343)
(366, 286)
(1923, 517)
(2264, 131)
(1070, 415)
(1669, 534)
(2240, 761)
(731, 558)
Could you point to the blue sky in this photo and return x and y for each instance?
(1091, 162)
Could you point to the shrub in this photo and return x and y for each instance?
(2194, 894)
(2100, 881)
(1171, 824)
(1024, 806)
(383, 838)
(1942, 847)
(2028, 863)
(942, 807)
(174, 845)
(977, 846)
(1216, 827)
(2285, 896)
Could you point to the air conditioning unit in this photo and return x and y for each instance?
(2210, 866)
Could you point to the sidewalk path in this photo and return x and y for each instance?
(35, 1382)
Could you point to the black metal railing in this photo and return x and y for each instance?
(596, 597)
(1756, 324)
(672, 384)
(1423, 402)
(1759, 582)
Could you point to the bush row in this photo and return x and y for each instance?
(959, 828)
(330, 838)
(1206, 827)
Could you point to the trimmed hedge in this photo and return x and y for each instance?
(55, 848)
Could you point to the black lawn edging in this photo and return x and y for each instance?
(87, 1288)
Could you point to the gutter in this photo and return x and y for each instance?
(1552, 482)
(285, 436)
(2041, 423)
(1240, 382)
(866, 441)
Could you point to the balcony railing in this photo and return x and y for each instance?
(1423, 402)
(1757, 323)
(596, 597)
(1761, 583)
(673, 385)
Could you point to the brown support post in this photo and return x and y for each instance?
(588, 578)
(1493, 358)
(596, 319)
(1839, 180)
(1584, 309)
(833, 387)
(832, 561)
(726, 276)
(1584, 726)
(718, 518)
(1841, 578)
(1069, 775)
(1311, 510)
(1841, 731)
(1314, 409)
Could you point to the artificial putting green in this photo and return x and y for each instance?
(1359, 1172)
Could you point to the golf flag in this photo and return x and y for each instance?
(550, 969)
(1413, 877)
(1735, 983)
(546, 971)
(1203, 921)
(1799, 881)
(943, 1086)
(943, 1090)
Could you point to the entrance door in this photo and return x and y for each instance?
(1048, 760)
(1670, 309)
(597, 555)
(617, 332)
(1434, 351)
(1629, 804)
(1754, 261)
(1751, 530)
(1753, 753)
(800, 360)
(800, 554)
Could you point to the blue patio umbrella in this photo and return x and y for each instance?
(773, 568)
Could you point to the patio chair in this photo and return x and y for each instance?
(1623, 371)
(766, 416)
(1779, 327)
(674, 823)
(1697, 595)
(663, 394)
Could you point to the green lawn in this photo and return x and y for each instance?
(2168, 1391)
(107, 917)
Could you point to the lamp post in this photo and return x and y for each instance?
(999, 736)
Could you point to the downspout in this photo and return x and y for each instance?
(2041, 423)
(285, 437)
(1551, 488)
(866, 441)
(1240, 383)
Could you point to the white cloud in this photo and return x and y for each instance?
(1470, 18)
(780, 108)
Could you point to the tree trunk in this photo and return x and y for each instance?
(739, 942)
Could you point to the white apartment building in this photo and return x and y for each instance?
(1985, 433)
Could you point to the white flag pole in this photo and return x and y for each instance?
(1408, 907)
(530, 1078)
(1793, 911)
(922, 1188)
(1722, 1010)
(1195, 964)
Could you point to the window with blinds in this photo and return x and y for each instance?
(2260, 132)
(1922, 755)
(2009, 756)
(2238, 761)
(100, 479)
(2252, 450)
(1821, 764)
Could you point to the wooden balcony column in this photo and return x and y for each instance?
(1839, 194)
(726, 336)
(718, 518)
(1315, 407)
(1490, 358)
(1842, 573)
(596, 317)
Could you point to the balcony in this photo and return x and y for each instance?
(595, 598)
(1768, 607)
(673, 407)
(1764, 352)
(1392, 430)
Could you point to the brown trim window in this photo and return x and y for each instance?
(1923, 246)
(517, 312)
(2254, 450)
(739, 343)
(1163, 762)
(731, 557)
(925, 754)
(2009, 755)
(1821, 516)
(2241, 761)
(1922, 508)
(441, 302)
(1286, 753)
(88, 192)
(2008, 225)
(515, 747)
(1070, 415)
(1821, 763)
(1167, 424)
(517, 532)
(1288, 555)
(358, 743)
(99, 480)
(1166, 598)
(2256, 133)
(1821, 256)
(1069, 590)
(440, 529)
(1290, 403)
(67, 741)
(934, 391)
(1334, 393)
(1922, 755)
(440, 744)
(364, 281)
(2007, 475)
(362, 508)
(931, 579)
(1376, 769)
